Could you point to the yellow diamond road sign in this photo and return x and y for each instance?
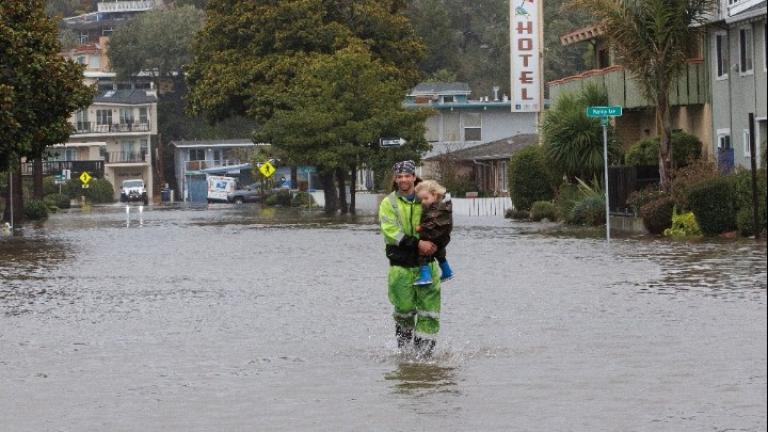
(267, 169)
(85, 178)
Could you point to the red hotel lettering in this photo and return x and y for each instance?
(526, 77)
(524, 92)
(525, 44)
(525, 59)
(528, 29)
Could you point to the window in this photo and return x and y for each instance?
(747, 150)
(81, 60)
(126, 115)
(103, 117)
(723, 139)
(472, 127)
(448, 99)
(504, 178)
(83, 38)
(95, 62)
(721, 55)
(143, 115)
(196, 154)
(81, 119)
(745, 50)
(603, 58)
(451, 132)
(144, 147)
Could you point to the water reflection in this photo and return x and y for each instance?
(419, 378)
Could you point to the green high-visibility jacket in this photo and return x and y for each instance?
(399, 218)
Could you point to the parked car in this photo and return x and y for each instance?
(133, 190)
(248, 194)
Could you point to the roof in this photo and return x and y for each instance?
(583, 34)
(238, 142)
(501, 149)
(440, 88)
(754, 12)
(127, 97)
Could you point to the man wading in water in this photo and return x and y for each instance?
(417, 308)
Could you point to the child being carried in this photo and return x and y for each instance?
(436, 225)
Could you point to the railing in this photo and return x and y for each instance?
(126, 6)
(91, 128)
(126, 157)
(200, 165)
(94, 167)
(690, 89)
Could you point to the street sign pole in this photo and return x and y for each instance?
(604, 122)
(10, 196)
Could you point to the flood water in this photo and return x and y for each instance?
(250, 319)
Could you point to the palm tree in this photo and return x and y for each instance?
(652, 38)
(573, 141)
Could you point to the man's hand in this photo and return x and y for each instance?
(427, 248)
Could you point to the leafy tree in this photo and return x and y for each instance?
(339, 107)
(248, 53)
(158, 41)
(574, 142)
(652, 38)
(39, 89)
(530, 179)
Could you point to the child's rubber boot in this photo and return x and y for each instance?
(447, 272)
(425, 276)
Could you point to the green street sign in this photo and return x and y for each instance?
(604, 111)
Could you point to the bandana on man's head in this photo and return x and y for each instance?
(404, 167)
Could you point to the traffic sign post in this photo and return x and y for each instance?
(85, 178)
(604, 112)
(392, 142)
(267, 169)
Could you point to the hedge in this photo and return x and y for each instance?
(543, 210)
(646, 152)
(588, 211)
(529, 179)
(657, 214)
(713, 203)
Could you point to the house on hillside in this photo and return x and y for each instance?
(461, 122)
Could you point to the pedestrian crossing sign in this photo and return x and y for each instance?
(267, 169)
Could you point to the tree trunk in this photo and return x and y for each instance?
(14, 175)
(294, 177)
(37, 183)
(664, 129)
(353, 189)
(329, 192)
(341, 179)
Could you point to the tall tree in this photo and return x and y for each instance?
(39, 88)
(157, 42)
(339, 107)
(652, 38)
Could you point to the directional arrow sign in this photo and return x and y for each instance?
(604, 111)
(392, 142)
(85, 178)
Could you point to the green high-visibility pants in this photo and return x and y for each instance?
(416, 307)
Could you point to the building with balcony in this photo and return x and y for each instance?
(691, 110)
(736, 47)
(119, 130)
(90, 27)
(460, 122)
(196, 159)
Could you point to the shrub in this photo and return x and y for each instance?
(517, 214)
(279, 198)
(49, 186)
(36, 210)
(657, 214)
(742, 184)
(588, 211)
(713, 204)
(567, 196)
(57, 200)
(683, 225)
(685, 178)
(100, 191)
(744, 221)
(543, 210)
(302, 199)
(529, 179)
(638, 199)
(685, 148)
(643, 152)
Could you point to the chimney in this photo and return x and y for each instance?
(496, 93)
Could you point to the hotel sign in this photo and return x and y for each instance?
(526, 62)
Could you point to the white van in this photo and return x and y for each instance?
(219, 187)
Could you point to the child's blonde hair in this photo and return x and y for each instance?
(431, 186)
